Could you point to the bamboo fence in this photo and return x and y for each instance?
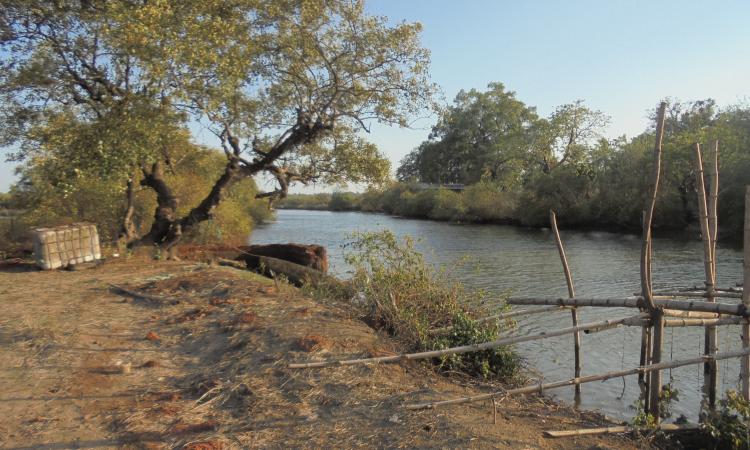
(666, 308)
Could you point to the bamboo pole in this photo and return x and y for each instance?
(459, 350)
(508, 315)
(636, 302)
(657, 322)
(712, 295)
(657, 315)
(571, 294)
(746, 298)
(710, 369)
(713, 204)
(705, 322)
(689, 314)
(617, 429)
(540, 388)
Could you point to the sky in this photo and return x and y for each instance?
(620, 57)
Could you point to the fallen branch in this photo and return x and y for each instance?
(618, 429)
(143, 296)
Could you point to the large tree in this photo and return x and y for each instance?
(285, 85)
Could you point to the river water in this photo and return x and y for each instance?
(525, 262)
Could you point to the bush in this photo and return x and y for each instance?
(728, 426)
(485, 202)
(447, 205)
(343, 201)
(408, 298)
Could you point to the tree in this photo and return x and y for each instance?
(566, 137)
(482, 136)
(286, 86)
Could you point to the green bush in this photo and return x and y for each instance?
(447, 205)
(405, 296)
(728, 426)
(486, 203)
(343, 201)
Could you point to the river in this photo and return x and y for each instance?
(525, 262)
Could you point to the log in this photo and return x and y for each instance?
(635, 302)
(571, 294)
(540, 388)
(746, 298)
(618, 429)
(458, 350)
(312, 256)
(296, 274)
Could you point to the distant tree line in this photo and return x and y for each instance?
(517, 165)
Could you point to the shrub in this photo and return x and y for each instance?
(485, 202)
(728, 426)
(447, 205)
(408, 298)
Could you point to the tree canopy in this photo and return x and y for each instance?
(112, 89)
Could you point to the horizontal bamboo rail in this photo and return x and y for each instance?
(587, 379)
(508, 315)
(713, 294)
(636, 302)
(462, 349)
(689, 314)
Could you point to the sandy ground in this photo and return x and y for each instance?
(203, 365)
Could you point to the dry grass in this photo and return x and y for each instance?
(217, 377)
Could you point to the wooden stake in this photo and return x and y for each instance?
(657, 322)
(710, 369)
(539, 388)
(746, 298)
(458, 350)
(571, 294)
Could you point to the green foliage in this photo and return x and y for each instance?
(562, 163)
(50, 201)
(305, 201)
(728, 426)
(407, 297)
(343, 201)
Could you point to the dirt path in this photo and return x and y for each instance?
(204, 367)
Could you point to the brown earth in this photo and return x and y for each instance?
(202, 364)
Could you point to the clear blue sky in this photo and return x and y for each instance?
(621, 57)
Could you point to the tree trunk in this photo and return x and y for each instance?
(127, 229)
(164, 229)
(207, 208)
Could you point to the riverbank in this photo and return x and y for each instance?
(203, 360)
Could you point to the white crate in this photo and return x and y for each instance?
(66, 245)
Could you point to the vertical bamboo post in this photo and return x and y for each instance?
(746, 298)
(711, 367)
(657, 317)
(645, 342)
(571, 294)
